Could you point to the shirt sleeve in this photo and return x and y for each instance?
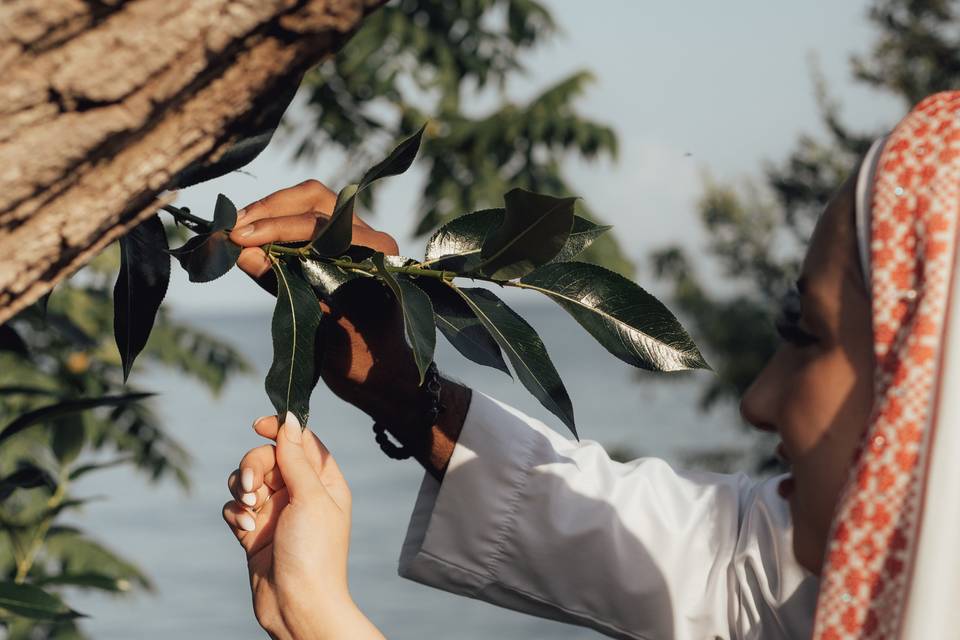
(529, 520)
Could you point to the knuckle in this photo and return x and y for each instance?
(312, 185)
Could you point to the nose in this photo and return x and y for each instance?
(758, 404)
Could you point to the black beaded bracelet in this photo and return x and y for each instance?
(430, 399)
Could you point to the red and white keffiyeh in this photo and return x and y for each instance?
(892, 568)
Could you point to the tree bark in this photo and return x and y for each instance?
(104, 102)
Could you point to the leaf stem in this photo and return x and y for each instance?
(184, 215)
(411, 270)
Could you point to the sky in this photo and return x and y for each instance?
(693, 89)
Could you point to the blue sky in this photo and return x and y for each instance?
(692, 88)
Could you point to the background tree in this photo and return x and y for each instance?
(105, 105)
(758, 235)
(419, 60)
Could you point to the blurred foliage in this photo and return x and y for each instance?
(419, 60)
(757, 236)
(51, 354)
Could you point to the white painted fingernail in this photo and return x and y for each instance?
(291, 425)
(259, 420)
(246, 480)
(247, 230)
(249, 499)
(246, 522)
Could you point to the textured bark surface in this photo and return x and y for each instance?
(102, 102)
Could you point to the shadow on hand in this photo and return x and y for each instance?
(364, 358)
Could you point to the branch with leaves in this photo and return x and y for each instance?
(530, 243)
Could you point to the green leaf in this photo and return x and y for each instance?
(75, 553)
(11, 341)
(324, 277)
(33, 602)
(456, 245)
(27, 476)
(534, 230)
(83, 470)
(53, 411)
(224, 214)
(461, 327)
(86, 579)
(397, 162)
(417, 311)
(141, 285)
(207, 256)
(582, 235)
(524, 349)
(333, 239)
(68, 437)
(296, 320)
(27, 391)
(628, 321)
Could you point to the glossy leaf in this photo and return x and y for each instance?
(27, 476)
(11, 341)
(632, 324)
(207, 256)
(460, 326)
(333, 239)
(296, 320)
(524, 349)
(418, 327)
(141, 285)
(325, 278)
(224, 214)
(66, 407)
(397, 161)
(534, 230)
(33, 602)
(456, 245)
(582, 235)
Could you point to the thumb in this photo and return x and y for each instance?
(297, 472)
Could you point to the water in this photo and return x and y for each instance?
(181, 541)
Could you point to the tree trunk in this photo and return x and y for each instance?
(104, 102)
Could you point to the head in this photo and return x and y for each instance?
(816, 391)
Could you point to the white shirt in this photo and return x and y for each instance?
(529, 520)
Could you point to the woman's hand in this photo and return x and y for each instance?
(291, 514)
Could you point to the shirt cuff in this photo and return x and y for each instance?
(459, 527)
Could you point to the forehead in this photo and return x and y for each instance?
(831, 265)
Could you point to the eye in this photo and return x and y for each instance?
(791, 332)
(788, 324)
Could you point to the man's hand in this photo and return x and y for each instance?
(365, 359)
(291, 514)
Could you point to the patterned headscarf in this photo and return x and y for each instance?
(892, 567)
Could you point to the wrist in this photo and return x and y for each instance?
(325, 618)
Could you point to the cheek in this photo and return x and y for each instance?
(825, 413)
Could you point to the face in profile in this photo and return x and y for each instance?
(816, 391)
